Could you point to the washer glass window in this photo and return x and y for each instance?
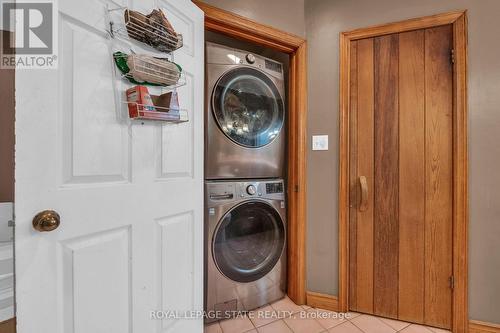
(249, 241)
(248, 107)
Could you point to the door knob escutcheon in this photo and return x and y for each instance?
(46, 220)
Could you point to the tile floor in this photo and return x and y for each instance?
(284, 316)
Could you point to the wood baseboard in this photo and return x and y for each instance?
(322, 301)
(8, 326)
(329, 302)
(476, 326)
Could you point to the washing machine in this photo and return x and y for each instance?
(245, 115)
(245, 243)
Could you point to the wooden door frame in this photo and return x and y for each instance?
(458, 20)
(237, 26)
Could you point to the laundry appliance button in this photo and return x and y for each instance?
(250, 58)
(251, 189)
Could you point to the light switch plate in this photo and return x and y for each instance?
(320, 142)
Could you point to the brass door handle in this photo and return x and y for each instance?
(47, 220)
(363, 184)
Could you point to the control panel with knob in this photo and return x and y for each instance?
(251, 190)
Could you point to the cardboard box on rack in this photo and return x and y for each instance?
(139, 100)
(162, 107)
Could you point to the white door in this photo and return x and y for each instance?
(129, 195)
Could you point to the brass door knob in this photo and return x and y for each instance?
(47, 220)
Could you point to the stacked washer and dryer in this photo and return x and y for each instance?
(245, 211)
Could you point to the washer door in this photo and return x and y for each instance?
(248, 241)
(248, 107)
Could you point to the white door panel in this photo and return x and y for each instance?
(96, 272)
(176, 149)
(130, 195)
(175, 243)
(96, 147)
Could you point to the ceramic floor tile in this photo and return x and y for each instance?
(212, 328)
(285, 307)
(263, 316)
(304, 319)
(413, 328)
(352, 315)
(303, 322)
(396, 324)
(371, 324)
(328, 319)
(278, 326)
(346, 327)
(236, 325)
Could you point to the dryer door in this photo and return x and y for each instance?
(248, 241)
(248, 107)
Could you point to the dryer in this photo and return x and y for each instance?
(245, 245)
(245, 115)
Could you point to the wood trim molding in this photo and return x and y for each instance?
(297, 155)
(460, 177)
(243, 28)
(476, 326)
(237, 26)
(460, 155)
(344, 173)
(322, 301)
(407, 25)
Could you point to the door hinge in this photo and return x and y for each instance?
(452, 56)
(452, 282)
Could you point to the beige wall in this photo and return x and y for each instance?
(325, 19)
(287, 15)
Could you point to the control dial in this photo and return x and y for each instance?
(250, 58)
(251, 189)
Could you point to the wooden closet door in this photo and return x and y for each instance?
(401, 176)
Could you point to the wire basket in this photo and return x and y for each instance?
(148, 112)
(153, 29)
(144, 69)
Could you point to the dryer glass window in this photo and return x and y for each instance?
(248, 107)
(249, 241)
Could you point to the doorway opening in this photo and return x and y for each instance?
(235, 26)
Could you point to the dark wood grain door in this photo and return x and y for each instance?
(401, 176)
